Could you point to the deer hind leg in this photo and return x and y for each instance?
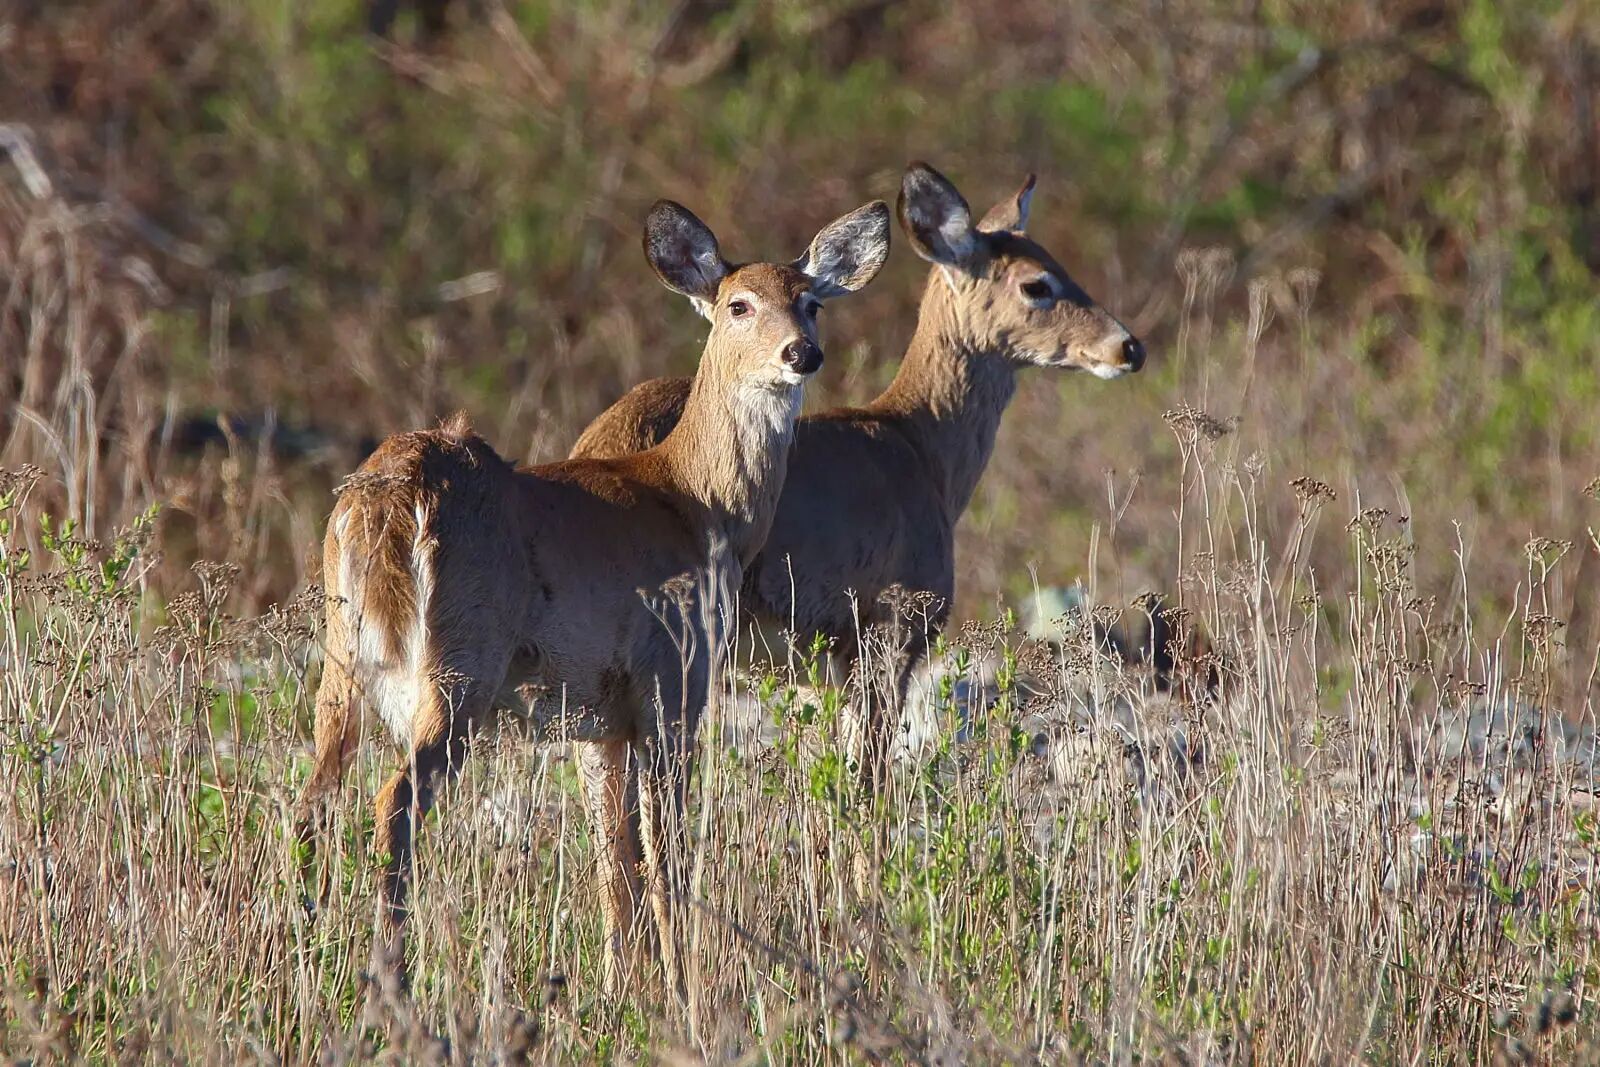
(610, 781)
(453, 700)
(336, 734)
(336, 731)
(338, 709)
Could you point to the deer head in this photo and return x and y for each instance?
(764, 315)
(1010, 293)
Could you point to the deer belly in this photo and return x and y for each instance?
(554, 704)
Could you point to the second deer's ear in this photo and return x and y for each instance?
(1010, 214)
(935, 217)
(848, 252)
(683, 252)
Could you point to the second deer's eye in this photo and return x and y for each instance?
(739, 308)
(1038, 289)
(812, 308)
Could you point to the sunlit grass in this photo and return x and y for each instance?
(1327, 860)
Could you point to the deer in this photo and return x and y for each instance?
(460, 586)
(874, 493)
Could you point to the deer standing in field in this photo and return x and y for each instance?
(874, 493)
(460, 585)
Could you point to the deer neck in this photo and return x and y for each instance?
(952, 390)
(730, 452)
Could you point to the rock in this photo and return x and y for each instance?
(1497, 735)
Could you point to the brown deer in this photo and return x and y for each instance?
(460, 585)
(874, 493)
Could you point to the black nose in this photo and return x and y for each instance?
(1133, 353)
(802, 357)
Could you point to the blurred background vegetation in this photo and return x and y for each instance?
(241, 241)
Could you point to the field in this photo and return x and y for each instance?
(239, 243)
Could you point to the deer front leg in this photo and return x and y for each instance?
(610, 783)
(902, 634)
(879, 668)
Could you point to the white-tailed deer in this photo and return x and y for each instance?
(874, 493)
(459, 585)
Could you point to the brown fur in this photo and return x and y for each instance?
(654, 407)
(873, 493)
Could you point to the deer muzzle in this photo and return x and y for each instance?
(802, 356)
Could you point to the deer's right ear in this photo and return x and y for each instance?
(684, 254)
(935, 217)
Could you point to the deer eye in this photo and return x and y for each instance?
(739, 308)
(812, 307)
(1038, 289)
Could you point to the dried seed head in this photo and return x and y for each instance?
(1312, 490)
(1191, 423)
(1191, 261)
(23, 479)
(1540, 628)
(1303, 282)
(1368, 518)
(1546, 549)
(1217, 267)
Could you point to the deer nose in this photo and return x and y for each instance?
(1133, 353)
(802, 356)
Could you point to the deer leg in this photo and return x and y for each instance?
(665, 763)
(336, 733)
(908, 657)
(880, 707)
(338, 710)
(439, 734)
(610, 782)
(849, 659)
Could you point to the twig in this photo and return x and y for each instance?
(18, 143)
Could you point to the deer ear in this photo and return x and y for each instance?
(683, 252)
(936, 217)
(848, 252)
(1010, 214)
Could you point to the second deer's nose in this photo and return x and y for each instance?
(802, 357)
(1133, 353)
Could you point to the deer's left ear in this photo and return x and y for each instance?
(1010, 214)
(849, 251)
